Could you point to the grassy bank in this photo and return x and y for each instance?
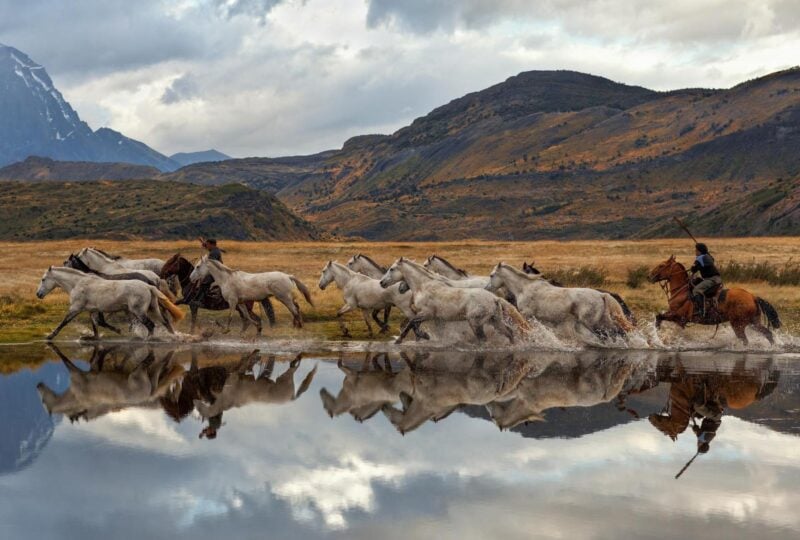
(766, 267)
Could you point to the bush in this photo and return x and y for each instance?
(637, 276)
(584, 276)
(786, 274)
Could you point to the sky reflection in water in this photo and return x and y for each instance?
(190, 444)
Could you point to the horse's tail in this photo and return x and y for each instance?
(507, 310)
(167, 304)
(163, 288)
(303, 289)
(306, 383)
(625, 309)
(773, 320)
(617, 314)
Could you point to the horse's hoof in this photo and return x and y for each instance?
(398, 341)
(384, 329)
(49, 337)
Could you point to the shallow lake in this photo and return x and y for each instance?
(152, 441)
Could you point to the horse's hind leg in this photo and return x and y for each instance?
(764, 331)
(381, 324)
(504, 328)
(365, 314)
(269, 310)
(477, 329)
(193, 308)
(739, 330)
(288, 301)
(101, 321)
(148, 323)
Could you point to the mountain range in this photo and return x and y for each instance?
(556, 154)
(38, 121)
(544, 154)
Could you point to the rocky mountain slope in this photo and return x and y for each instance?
(144, 209)
(189, 158)
(38, 169)
(38, 121)
(552, 154)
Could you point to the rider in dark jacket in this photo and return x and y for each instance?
(704, 264)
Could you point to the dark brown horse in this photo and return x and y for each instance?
(735, 305)
(182, 268)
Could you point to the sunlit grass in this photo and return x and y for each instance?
(606, 264)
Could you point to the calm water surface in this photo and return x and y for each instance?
(151, 442)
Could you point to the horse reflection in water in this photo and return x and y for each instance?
(429, 387)
(123, 377)
(585, 380)
(137, 379)
(700, 399)
(249, 383)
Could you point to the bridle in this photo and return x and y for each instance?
(664, 283)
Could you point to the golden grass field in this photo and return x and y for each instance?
(24, 318)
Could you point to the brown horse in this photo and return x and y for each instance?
(182, 268)
(737, 306)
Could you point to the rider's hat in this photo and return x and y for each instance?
(702, 248)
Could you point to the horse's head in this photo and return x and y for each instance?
(200, 269)
(47, 284)
(429, 262)
(394, 274)
(663, 271)
(170, 267)
(327, 275)
(530, 269)
(495, 279)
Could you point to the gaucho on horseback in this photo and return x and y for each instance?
(198, 294)
(709, 282)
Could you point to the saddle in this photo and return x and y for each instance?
(707, 306)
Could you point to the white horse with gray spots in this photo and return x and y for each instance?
(94, 294)
(237, 287)
(587, 314)
(363, 293)
(436, 300)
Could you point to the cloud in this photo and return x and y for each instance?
(181, 89)
(274, 77)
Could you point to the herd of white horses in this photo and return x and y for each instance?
(507, 302)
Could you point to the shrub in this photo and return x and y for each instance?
(584, 276)
(786, 274)
(637, 276)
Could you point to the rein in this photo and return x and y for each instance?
(664, 283)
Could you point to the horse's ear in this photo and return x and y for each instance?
(672, 257)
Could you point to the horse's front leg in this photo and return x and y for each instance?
(365, 313)
(101, 321)
(413, 323)
(71, 314)
(340, 316)
(231, 311)
(193, 308)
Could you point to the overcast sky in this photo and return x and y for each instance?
(278, 77)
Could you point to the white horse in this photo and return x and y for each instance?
(98, 261)
(237, 286)
(151, 264)
(566, 309)
(365, 265)
(435, 300)
(94, 294)
(460, 277)
(364, 293)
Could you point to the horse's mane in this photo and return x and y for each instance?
(105, 254)
(450, 266)
(69, 270)
(372, 262)
(520, 273)
(221, 266)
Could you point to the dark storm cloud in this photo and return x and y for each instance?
(93, 37)
(183, 88)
